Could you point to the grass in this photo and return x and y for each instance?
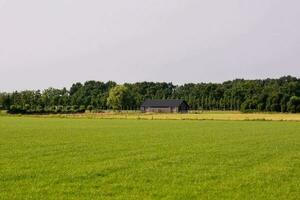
(3, 112)
(220, 115)
(51, 158)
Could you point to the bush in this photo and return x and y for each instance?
(90, 108)
(248, 106)
(293, 105)
(39, 109)
(59, 109)
(16, 109)
(261, 107)
(81, 109)
(27, 109)
(275, 107)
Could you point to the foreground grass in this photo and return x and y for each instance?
(49, 158)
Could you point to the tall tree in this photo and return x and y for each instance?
(119, 98)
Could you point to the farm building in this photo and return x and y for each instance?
(165, 106)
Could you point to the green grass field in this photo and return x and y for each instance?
(52, 158)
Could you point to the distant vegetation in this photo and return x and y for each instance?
(269, 95)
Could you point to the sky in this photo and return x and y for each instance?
(54, 43)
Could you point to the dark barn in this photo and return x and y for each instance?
(165, 106)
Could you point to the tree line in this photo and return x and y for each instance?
(268, 95)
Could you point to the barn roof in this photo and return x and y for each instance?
(162, 103)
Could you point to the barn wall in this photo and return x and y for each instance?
(159, 110)
(182, 108)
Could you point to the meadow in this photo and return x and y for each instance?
(193, 115)
(80, 158)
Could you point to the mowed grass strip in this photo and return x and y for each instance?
(221, 116)
(49, 158)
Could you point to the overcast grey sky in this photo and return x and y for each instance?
(54, 43)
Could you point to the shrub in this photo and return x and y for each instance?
(59, 109)
(293, 105)
(39, 109)
(81, 109)
(90, 108)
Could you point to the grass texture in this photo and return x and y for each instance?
(206, 115)
(52, 158)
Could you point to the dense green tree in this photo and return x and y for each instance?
(119, 98)
(5, 101)
(269, 95)
(294, 105)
